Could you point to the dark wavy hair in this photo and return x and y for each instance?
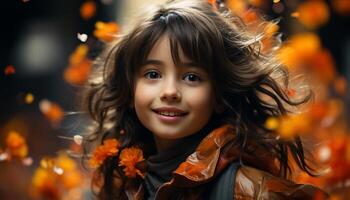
(250, 86)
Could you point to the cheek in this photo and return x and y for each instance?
(143, 95)
(202, 99)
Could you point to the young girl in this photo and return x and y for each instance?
(179, 108)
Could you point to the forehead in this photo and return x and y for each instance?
(162, 51)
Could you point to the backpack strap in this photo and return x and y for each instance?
(222, 187)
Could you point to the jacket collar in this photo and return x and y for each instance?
(214, 153)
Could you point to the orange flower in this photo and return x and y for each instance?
(88, 10)
(313, 14)
(105, 31)
(128, 158)
(110, 147)
(16, 144)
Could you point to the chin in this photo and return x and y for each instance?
(170, 136)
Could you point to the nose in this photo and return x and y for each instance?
(170, 91)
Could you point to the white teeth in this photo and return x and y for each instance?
(166, 113)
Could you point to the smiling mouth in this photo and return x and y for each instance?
(170, 114)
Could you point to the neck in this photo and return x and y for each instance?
(166, 144)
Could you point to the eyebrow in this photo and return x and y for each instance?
(161, 63)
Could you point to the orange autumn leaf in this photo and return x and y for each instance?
(323, 65)
(300, 48)
(341, 6)
(105, 31)
(250, 17)
(272, 123)
(340, 159)
(110, 147)
(313, 13)
(267, 42)
(52, 111)
(291, 126)
(88, 10)
(9, 70)
(78, 74)
(128, 158)
(79, 54)
(44, 185)
(306, 44)
(16, 144)
(79, 66)
(71, 176)
(340, 85)
(237, 6)
(212, 2)
(29, 98)
(257, 3)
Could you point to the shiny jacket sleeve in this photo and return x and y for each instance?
(254, 184)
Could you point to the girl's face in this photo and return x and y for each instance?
(172, 101)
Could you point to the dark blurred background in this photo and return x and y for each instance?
(37, 38)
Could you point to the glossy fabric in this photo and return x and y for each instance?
(212, 155)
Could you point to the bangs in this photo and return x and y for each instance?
(194, 43)
(183, 34)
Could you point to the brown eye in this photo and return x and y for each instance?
(152, 75)
(192, 78)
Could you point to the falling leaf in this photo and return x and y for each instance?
(295, 14)
(342, 7)
(4, 156)
(237, 6)
(323, 65)
(29, 98)
(78, 74)
(79, 54)
(9, 70)
(105, 31)
(257, 3)
(52, 111)
(78, 139)
(212, 2)
(324, 154)
(340, 85)
(16, 144)
(88, 10)
(313, 13)
(58, 170)
(82, 37)
(27, 161)
(272, 123)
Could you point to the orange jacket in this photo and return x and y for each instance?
(211, 157)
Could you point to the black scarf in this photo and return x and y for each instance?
(161, 165)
